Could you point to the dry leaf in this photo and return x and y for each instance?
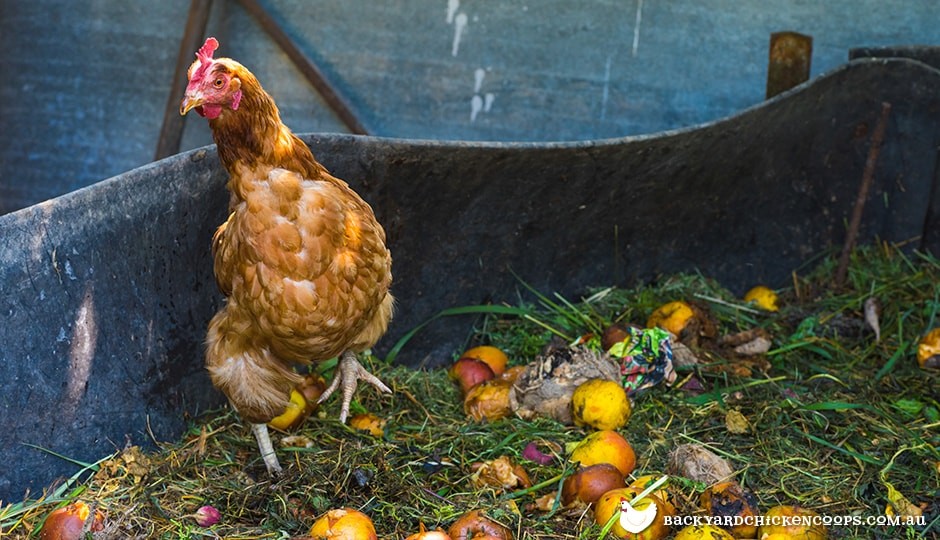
(501, 474)
(296, 441)
(545, 503)
(736, 422)
(759, 345)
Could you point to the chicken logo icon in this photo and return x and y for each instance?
(636, 521)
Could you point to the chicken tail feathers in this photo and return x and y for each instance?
(256, 382)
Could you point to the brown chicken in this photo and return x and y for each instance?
(301, 258)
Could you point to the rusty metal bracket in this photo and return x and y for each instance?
(338, 104)
(171, 132)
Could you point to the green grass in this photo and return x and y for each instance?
(835, 418)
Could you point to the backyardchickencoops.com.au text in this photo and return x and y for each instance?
(806, 521)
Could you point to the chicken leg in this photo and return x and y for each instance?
(266, 448)
(348, 374)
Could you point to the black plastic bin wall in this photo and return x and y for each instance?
(106, 291)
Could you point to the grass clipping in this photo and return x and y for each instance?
(829, 418)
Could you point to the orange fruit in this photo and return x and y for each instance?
(605, 446)
(928, 350)
(68, 522)
(674, 317)
(343, 524)
(495, 358)
(369, 423)
(808, 531)
(488, 401)
(610, 503)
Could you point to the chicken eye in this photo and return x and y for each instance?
(219, 83)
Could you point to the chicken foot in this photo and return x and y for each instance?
(266, 448)
(348, 374)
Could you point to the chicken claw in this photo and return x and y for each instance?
(266, 448)
(348, 374)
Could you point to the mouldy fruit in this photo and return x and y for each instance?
(469, 372)
(343, 524)
(600, 404)
(68, 522)
(587, 484)
(704, 532)
(294, 414)
(495, 358)
(605, 447)
(674, 317)
(474, 525)
(613, 501)
(813, 529)
(512, 373)
(928, 350)
(368, 422)
(763, 297)
(488, 401)
(729, 499)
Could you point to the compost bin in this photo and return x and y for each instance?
(107, 290)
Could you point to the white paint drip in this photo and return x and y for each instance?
(476, 105)
(488, 101)
(460, 23)
(478, 76)
(606, 93)
(636, 27)
(452, 7)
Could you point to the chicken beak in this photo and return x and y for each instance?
(190, 102)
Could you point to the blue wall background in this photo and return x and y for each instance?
(83, 83)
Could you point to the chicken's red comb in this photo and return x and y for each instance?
(204, 55)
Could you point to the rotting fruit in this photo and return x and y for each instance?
(613, 502)
(763, 297)
(673, 316)
(605, 446)
(294, 414)
(587, 484)
(68, 522)
(343, 524)
(809, 528)
(600, 404)
(492, 356)
(928, 350)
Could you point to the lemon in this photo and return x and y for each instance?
(601, 404)
(294, 414)
(674, 317)
(763, 297)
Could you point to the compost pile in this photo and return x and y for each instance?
(824, 408)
